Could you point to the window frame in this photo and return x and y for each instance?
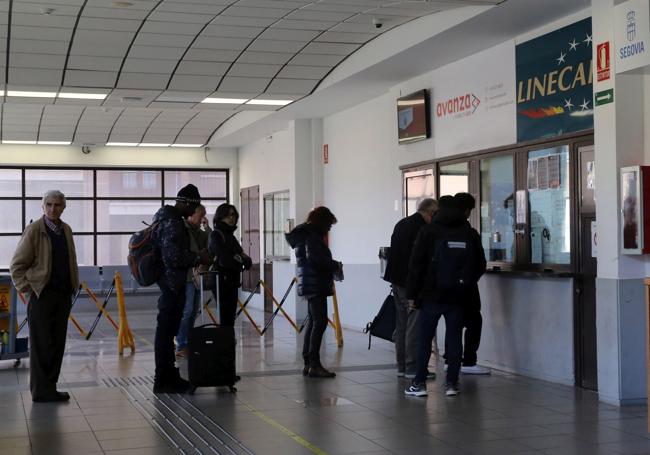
(522, 256)
(96, 235)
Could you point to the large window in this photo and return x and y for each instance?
(104, 206)
(276, 214)
(454, 178)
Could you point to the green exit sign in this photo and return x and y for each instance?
(604, 97)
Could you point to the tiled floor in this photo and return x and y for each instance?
(277, 411)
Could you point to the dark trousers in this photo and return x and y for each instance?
(228, 294)
(473, 323)
(314, 330)
(429, 315)
(170, 312)
(48, 327)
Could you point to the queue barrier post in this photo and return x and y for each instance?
(124, 334)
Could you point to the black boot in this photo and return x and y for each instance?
(320, 372)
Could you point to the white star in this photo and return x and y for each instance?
(568, 104)
(587, 40)
(585, 105)
(573, 45)
(561, 59)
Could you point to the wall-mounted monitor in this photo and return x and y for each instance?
(413, 117)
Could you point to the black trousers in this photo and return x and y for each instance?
(228, 294)
(48, 326)
(473, 323)
(430, 314)
(314, 330)
(170, 312)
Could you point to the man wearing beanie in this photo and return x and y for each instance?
(174, 244)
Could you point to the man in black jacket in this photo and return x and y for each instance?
(447, 260)
(406, 322)
(174, 246)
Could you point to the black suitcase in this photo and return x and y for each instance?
(383, 325)
(211, 361)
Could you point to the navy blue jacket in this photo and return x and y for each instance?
(315, 266)
(174, 244)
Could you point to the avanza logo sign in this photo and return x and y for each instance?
(463, 105)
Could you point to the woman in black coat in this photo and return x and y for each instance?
(229, 260)
(316, 271)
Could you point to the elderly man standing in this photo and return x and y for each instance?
(45, 267)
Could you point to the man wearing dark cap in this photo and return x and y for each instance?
(174, 244)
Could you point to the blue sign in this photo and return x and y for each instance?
(554, 83)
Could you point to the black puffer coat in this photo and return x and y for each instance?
(229, 256)
(174, 244)
(315, 266)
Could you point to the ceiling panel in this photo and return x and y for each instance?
(43, 33)
(306, 59)
(232, 31)
(253, 70)
(155, 52)
(120, 25)
(277, 46)
(342, 37)
(82, 78)
(274, 13)
(211, 55)
(185, 82)
(94, 63)
(331, 48)
(304, 72)
(122, 97)
(292, 86)
(117, 13)
(194, 8)
(178, 17)
(202, 68)
(244, 21)
(39, 46)
(40, 77)
(37, 61)
(209, 42)
(142, 80)
(244, 84)
(289, 35)
(164, 40)
(136, 65)
(306, 15)
(175, 28)
(273, 58)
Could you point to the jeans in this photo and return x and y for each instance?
(314, 330)
(48, 327)
(429, 315)
(170, 312)
(407, 331)
(189, 314)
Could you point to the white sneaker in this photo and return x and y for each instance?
(475, 369)
(451, 390)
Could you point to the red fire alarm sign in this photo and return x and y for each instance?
(602, 61)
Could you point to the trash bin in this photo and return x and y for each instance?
(383, 259)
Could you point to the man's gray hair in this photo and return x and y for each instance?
(54, 194)
(428, 204)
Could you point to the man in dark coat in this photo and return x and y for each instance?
(406, 322)
(176, 256)
(446, 261)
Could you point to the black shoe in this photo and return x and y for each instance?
(305, 370)
(320, 372)
(56, 397)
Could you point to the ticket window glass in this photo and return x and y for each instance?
(497, 208)
(454, 178)
(550, 205)
(418, 185)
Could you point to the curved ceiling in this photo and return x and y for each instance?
(156, 60)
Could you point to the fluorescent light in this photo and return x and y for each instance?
(270, 102)
(19, 142)
(121, 144)
(225, 100)
(31, 94)
(145, 144)
(54, 142)
(187, 145)
(84, 96)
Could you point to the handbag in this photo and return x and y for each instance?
(383, 325)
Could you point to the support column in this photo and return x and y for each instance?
(619, 141)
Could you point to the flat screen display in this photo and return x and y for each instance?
(413, 117)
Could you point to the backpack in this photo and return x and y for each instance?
(144, 258)
(383, 325)
(453, 263)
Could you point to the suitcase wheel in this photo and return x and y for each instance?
(232, 389)
(191, 390)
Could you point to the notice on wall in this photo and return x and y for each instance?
(532, 174)
(554, 171)
(542, 173)
(473, 102)
(632, 35)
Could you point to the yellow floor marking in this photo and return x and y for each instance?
(300, 440)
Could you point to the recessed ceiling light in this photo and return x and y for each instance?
(121, 144)
(19, 142)
(225, 100)
(270, 102)
(187, 145)
(54, 142)
(83, 96)
(148, 144)
(31, 94)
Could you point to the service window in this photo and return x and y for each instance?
(454, 178)
(418, 185)
(550, 205)
(497, 208)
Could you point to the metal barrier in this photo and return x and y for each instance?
(124, 334)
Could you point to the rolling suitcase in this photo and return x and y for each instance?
(211, 361)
